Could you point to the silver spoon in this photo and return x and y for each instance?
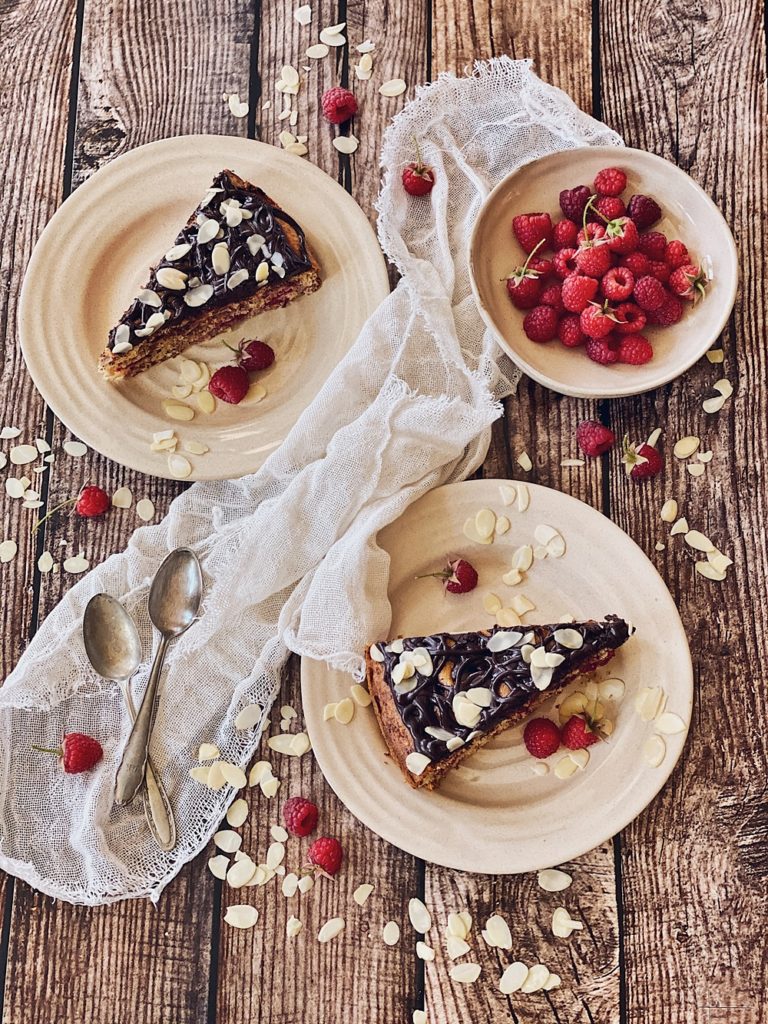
(174, 600)
(114, 650)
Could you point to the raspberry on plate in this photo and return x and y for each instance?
(590, 233)
(459, 576)
(564, 262)
(635, 350)
(611, 181)
(652, 244)
(660, 270)
(564, 234)
(339, 105)
(531, 229)
(669, 312)
(578, 733)
(601, 350)
(641, 461)
(326, 854)
(594, 438)
(573, 202)
(649, 293)
(569, 331)
(553, 296)
(630, 319)
(617, 284)
(688, 282)
(676, 254)
(593, 260)
(578, 291)
(643, 210)
(541, 737)
(540, 324)
(230, 384)
(524, 290)
(637, 262)
(597, 321)
(256, 356)
(622, 235)
(92, 501)
(608, 208)
(300, 816)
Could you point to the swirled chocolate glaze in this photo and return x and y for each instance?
(262, 223)
(462, 661)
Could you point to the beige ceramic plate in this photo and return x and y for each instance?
(497, 815)
(94, 255)
(689, 214)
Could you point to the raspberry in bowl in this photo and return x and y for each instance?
(667, 278)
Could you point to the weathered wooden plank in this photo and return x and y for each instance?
(138, 81)
(694, 865)
(543, 425)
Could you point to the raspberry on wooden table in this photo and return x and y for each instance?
(326, 854)
(541, 737)
(643, 210)
(92, 501)
(641, 461)
(594, 438)
(300, 816)
(339, 105)
(611, 181)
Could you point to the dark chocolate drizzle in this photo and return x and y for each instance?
(267, 221)
(505, 673)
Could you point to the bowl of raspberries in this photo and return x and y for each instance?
(602, 271)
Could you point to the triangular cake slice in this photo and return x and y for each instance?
(238, 255)
(438, 698)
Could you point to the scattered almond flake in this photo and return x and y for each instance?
(259, 771)
(45, 562)
(163, 435)
(122, 498)
(539, 768)
(302, 138)
(571, 462)
(190, 370)
(303, 14)
(76, 564)
(42, 445)
(241, 872)
(8, 550)
(317, 52)
(8, 433)
(332, 36)
(279, 834)
(419, 1017)
(199, 773)
(31, 503)
(346, 143)
(718, 560)
(177, 410)
(458, 926)
(419, 916)
(145, 510)
(686, 446)
(218, 866)
(289, 885)
(524, 461)
(507, 617)
(237, 107)
(49, 458)
(654, 437)
(553, 981)
(282, 744)
(293, 119)
(361, 894)
(523, 497)
(227, 840)
(305, 883)
(563, 925)
(256, 392)
(207, 752)
(364, 68)
(668, 512)
(581, 757)
(465, 974)
(344, 711)
(233, 774)
(331, 929)
(249, 716)
(360, 695)
(275, 855)
(695, 469)
(704, 456)
(612, 689)
(456, 946)
(74, 448)
(522, 559)
(650, 702)
(554, 880)
(293, 927)
(416, 763)
(300, 744)
(540, 552)
(424, 951)
(508, 494)
(502, 526)
(497, 933)
(4, 462)
(513, 577)
(681, 526)
(698, 541)
(485, 522)
(471, 533)
(521, 605)
(537, 977)
(709, 572)
(712, 405)
(491, 603)
(390, 933)
(23, 454)
(394, 87)
(179, 467)
(366, 46)
(329, 712)
(565, 767)
(715, 355)
(670, 724)
(513, 978)
(237, 813)
(724, 386)
(241, 916)
(654, 751)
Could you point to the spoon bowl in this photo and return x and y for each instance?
(177, 589)
(111, 638)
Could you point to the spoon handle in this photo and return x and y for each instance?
(130, 774)
(157, 806)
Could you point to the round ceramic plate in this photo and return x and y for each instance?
(493, 814)
(689, 214)
(95, 253)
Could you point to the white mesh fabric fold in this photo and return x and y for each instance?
(289, 554)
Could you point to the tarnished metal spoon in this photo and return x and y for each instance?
(174, 600)
(114, 650)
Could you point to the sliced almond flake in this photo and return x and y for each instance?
(283, 744)
(215, 779)
(360, 695)
(698, 541)
(513, 978)
(145, 510)
(416, 763)
(491, 603)
(199, 773)
(366, 46)
(419, 1017)
(508, 494)
(581, 757)
(179, 467)
(681, 526)
(31, 502)
(393, 87)
(686, 446)
(303, 14)
(540, 552)
(329, 711)
(507, 617)
(241, 916)
(207, 752)
(540, 768)
(49, 458)
(241, 872)
(497, 932)
(218, 866)
(331, 929)
(76, 564)
(256, 393)
(45, 562)
(456, 946)
(513, 577)
(524, 461)
(654, 437)
(233, 774)
(563, 925)
(724, 386)
(502, 526)
(715, 355)
(237, 107)
(361, 893)
(42, 445)
(565, 767)
(290, 885)
(249, 716)
(424, 951)
(659, 546)
(704, 456)
(650, 703)
(695, 468)
(122, 498)
(23, 454)
(275, 855)
(554, 880)
(536, 979)
(718, 560)
(419, 916)
(575, 463)
(178, 410)
(189, 369)
(466, 973)
(712, 405)
(8, 550)
(570, 638)
(390, 933)
(237, 812)
(227, 840)
(521, 605)
(344, 711)
(612, 689)
(4, 462)
(196, 448)
(206, 403)
(75, 448)
(346, 143)
(293, 927)
(668, 512)
(669, 724)
(654, 751)
(259, 771)
(709, 572)
(553, 981)
(8, 433)
(317, 52)
(331, 38)
(305, 883)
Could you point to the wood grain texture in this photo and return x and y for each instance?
(694, 865)
(543, 425)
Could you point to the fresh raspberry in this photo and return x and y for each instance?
(637, 262)
(617, 284)
(255, 356)
(92, 501)
(540, 324)
(418, 179)
(670, 312)
(594, 439)
(649, 293)
(578, 291)
(676, 254)
(573, 202)
(622, 236)
(564, 234)
(542, 266)
(652, 244)
(78, 752)
(569, 331)
(596, 321)
(635, 350)
(553, 296)
(591, 233)
(642, 461)
(643, 210)
(564, 262)
(688, 282)
(660, 270)
(611, 181)
(339, 105)
(524, 291)
(630, 319)
(459, 576)
(230, 384)
(608, 208)
(577, 733)
(541, 737)
(532, 228)
(593, 260)
(326, 854)
(601, 350)
(300, 816)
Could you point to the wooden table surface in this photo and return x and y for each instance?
(675, 906)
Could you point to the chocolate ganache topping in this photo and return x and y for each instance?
(233, 244)
(455, 685)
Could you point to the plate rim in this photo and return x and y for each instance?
(616, 391)
(70, 207)
(660, 780)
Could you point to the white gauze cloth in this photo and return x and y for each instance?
(289, 554)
